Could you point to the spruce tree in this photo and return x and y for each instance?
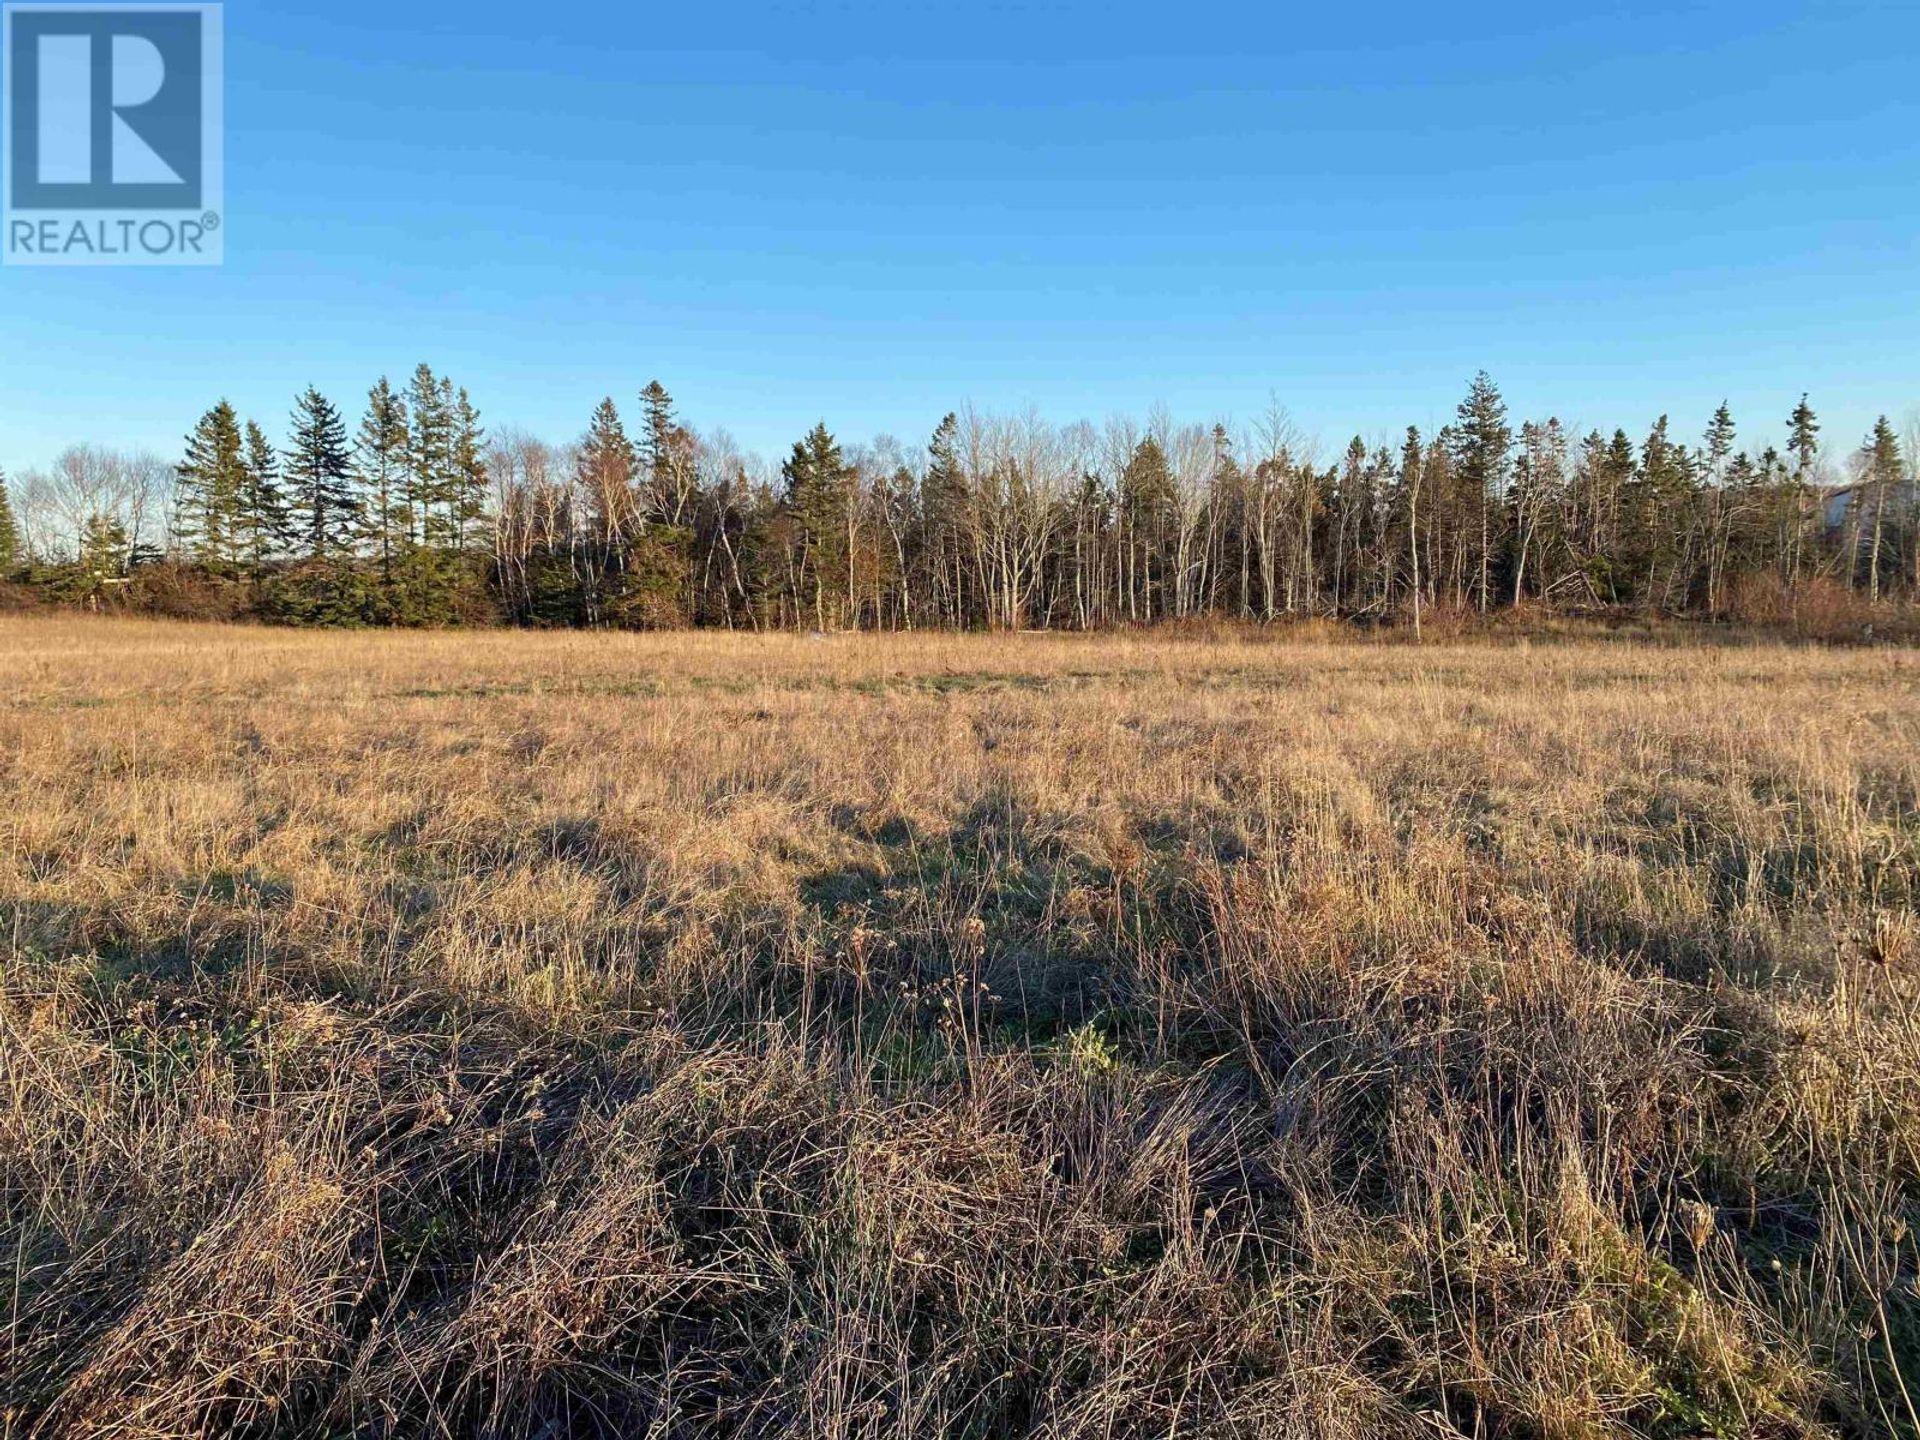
(1803, 441)
(1147, 512)
(467, 470)
(380, 462)
(1800, 513)
(647, 571)
(209, 489)
(1881, 470)
(319, 468)
(656, 447)
(1230, 498)
(105, 550)
(1719, 447)
(818, 484)
(656, 440)
(265, 526)
(666, 458)
(1720, 501)
(9, 532)
(1482, 443)
(1537, 497)
(1882, 454)
(1658, 510)
(430, 458)
(604, 467)
(943, 501)
(1412, 453)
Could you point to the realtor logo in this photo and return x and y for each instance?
(112, 144)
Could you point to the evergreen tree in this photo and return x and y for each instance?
(430, 468)
(9, 532)
(656, 439)
(443, 488)
(818, 484)
(1351, 506)
(1783, 519)
(650, 581)
(1803, 441)
(1229, 504)
(604, 467)
(467, 470)
(1005, 521)
(661, 453)
(1721, 501)
(319, 469)
(1147, 517)
(105, 551)
(943, 501)
(381, 454)
(1536, 500)
(265, 526)
(1412, 455)
(1602, 486)
(1482, 443)
(1657, 507)
(1719, 446)
(210, 486)
(1880, 473)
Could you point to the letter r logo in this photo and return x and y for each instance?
(105, 108)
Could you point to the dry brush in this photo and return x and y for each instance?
(712, 1035)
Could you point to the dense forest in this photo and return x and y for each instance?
(419, 517)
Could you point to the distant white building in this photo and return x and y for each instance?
(1840, 505)
(1837, 502)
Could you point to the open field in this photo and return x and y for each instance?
(705, 1035)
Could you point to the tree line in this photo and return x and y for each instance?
(418, 516)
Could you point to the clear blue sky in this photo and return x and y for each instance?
(873, 213)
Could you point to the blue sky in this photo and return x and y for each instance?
(876, 213)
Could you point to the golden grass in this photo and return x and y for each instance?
(710, 1034)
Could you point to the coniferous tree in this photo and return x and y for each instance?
(210, 483)
(1803, 442)
(1722, 501)
(1147, 505)
(662, 456)
(1005, 522)
(265, 527)
(467, 471)
(656, 438)
(381, 462)
(1618, 555)
(1601, 483)
(104, 554)
(817, 486)
(1350, 503)
(640, 573)
(1719, 446)
(1536, 502)
(943, 495)
(319, 470)
(1412, 453)
(669, 476)
(430, 459)
(427, 564)
(1658, 507)
(1235, 536)
(606, 466)
(1880, 474)
(1482, 444)
(1782, 519)
(9, 532)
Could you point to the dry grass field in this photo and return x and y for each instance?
(699, 1035)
